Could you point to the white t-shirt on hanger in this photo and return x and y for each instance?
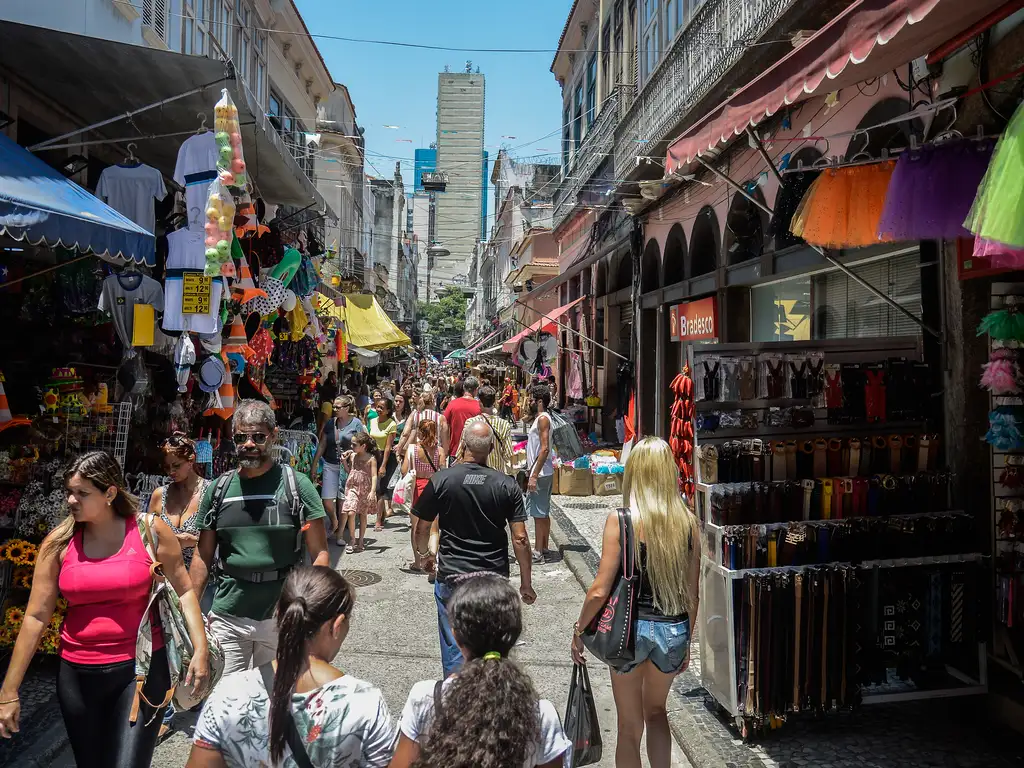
(195, 169)
(131, 190)
(186, 252)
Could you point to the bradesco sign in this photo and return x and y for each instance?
(694, 320)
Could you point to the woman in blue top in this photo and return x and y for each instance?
(335, 438)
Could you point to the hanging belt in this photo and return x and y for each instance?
(791, 460)
(808, 486)
(779, 461)
(860, 496)
(923, 451)
(835, 457)
(895, 451)
(853, 468)
(826, 499)
(820, 457)
(798, 588)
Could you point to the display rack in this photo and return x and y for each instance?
(296, 446)
(75, 433)
(720, 627)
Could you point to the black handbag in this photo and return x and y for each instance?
(610, 636)
(581, 726)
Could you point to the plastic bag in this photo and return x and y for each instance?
(581, 724)
(401, 498)
(564, 438)
(220, 217)
(230, 161)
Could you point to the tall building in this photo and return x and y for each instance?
(460, 153)
(425, 162)
(483, 200)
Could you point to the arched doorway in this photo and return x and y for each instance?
(647, 385)
(650, 267)
(704, 243)
(745, 228)
(623, 273)
(674, 270)
(888, 136)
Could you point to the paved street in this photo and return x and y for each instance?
(393, 641)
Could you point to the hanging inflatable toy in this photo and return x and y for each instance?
(220, 214)
(230, 161)
(275, 285)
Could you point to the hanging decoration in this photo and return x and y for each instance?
(1003, 324)
(1001, 374)
(843, 206)
(681, 431)
(997, 213)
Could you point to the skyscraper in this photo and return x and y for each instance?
(426, 162)
(460, 154)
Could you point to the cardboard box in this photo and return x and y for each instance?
(554, 483)
(575, 482)
(607, 485)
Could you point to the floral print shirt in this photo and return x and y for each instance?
(345, 723)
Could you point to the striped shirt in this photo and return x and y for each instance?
(500, 457)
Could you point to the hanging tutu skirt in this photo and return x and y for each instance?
(999, 255)
(998, 210)
(843, 206)
(787, 202)
(932, 190)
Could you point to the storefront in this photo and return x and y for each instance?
(850, 556)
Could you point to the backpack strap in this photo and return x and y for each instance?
(291, 732)
(298, 509)
(220, 490)
(438, 689)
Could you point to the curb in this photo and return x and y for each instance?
(690, 735)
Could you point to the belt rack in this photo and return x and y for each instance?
(725, 652)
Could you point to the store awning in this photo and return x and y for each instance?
(368, 326)
(366, 357)
(495, 350)
(484, 340)
(546, 323)
(41, 206)
(97, 80)
(866, 40)
(456, 354)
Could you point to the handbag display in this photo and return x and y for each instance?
(610, 636)
(177, 641)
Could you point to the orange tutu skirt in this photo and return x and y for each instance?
(843, 206)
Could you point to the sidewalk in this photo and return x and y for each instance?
(944, 733)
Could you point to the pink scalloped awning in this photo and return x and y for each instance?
(545, 323)
(869, 38)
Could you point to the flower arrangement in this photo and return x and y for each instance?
(9, 500)
(19, 552)
(22, 578)
(41, 509)
(14, 617)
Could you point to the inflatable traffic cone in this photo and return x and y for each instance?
(244, 288)
(5, 409)
(225, 398)
(237, 347)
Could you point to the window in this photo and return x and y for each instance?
(650, 11)
(274, 111)
(649, 55)
(577, 117)
(259, 66)
(673, 18)
(566, 140)
(606, 58)
(591, 89)
(188, 33)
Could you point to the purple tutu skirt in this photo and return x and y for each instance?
(932, 191)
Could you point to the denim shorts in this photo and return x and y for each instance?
(665, 643)
(538, 503)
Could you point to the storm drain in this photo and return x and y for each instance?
(361, 578)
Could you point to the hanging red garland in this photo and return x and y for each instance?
(681, 432)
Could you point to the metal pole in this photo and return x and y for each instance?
(764, 154)
(830, 259)
(124, 116)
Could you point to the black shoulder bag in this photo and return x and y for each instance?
(292, 737)
(610, 635)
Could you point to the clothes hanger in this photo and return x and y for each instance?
(130, 161)
(202, 126)
(822, 161)
(863, 154)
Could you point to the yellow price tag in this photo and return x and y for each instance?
(196, 291)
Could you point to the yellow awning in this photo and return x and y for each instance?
(366, 324)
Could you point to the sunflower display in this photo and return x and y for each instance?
(22, 578)
(19, 552)
(7, 637)
(50, 641)
(13, 618)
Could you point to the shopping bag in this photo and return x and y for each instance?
(610, 636)
(564, 438)
(401, 497)
(581, 724)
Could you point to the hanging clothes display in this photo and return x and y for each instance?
(121, 292)
(186, 258)
(681, 432)
(913, 208)
(786, 203)
(194, 170)
(574, 385)
(843, 206)
(997, 211)
(132, 190)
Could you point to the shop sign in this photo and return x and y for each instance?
(694, 320)
(196, 289)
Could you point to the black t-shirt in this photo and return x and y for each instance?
(475, 504)
(645, 608)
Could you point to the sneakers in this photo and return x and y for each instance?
(538, 557)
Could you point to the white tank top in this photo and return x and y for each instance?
(533, 447)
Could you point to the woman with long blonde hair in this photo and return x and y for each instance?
(667, 547)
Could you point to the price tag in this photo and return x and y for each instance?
(196, 290)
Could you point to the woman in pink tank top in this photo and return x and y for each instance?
(97, 561)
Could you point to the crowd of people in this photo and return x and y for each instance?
(279, 612)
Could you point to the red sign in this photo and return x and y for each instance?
(968, 265)
(694, 320)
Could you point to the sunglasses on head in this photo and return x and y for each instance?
(258, 438)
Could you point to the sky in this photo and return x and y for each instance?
(397, 86)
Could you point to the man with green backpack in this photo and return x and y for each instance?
(257, 519)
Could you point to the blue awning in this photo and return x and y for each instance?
(40, 206)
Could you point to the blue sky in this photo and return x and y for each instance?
(391, 85)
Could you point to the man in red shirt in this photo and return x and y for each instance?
(460, 410)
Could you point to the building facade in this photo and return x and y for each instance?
(460, 154)
(424, 161)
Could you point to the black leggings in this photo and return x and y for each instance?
(96, 701)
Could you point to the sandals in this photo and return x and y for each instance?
(349, 549)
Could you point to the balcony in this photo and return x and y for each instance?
(595, 146)
(713, 41)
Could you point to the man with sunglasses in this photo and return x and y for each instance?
(260, 517)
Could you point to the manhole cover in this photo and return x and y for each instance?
(361, 578)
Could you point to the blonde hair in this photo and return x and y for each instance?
(651, 488)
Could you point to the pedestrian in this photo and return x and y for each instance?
(327, 390)
(540, 470)
(335, 438)
(258, 516)
(500, 457)
(177, 504)
(403, 407)
(667, 544)
(360, 488)
(96, 561)
(382, 430)
(425, 454)
(473, 505)
(424, 411)
(453, 723)
(508, 400)
(340, 719)
(460, 410)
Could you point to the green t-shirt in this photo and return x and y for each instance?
(251, 540)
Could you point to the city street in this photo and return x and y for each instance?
(393, 639)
